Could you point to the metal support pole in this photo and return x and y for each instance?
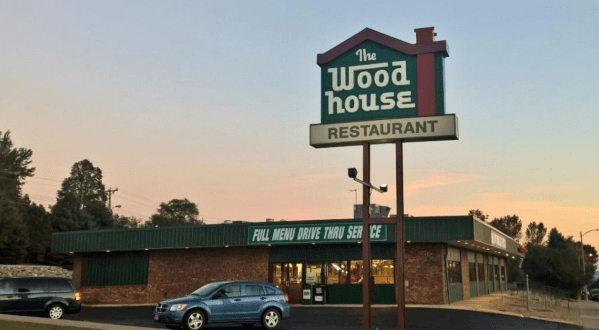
(527, 295)
(366, 285)
(583, 267)
(400, 287)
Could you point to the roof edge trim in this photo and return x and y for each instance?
(385, 40)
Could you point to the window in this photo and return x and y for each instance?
(337, 272)
(295, 273)
(481, 272)
(233, 291)
(206, 289)
(6, 286)
(31, 285)
(355, 271)
(383, 271)
(496, 272)
(58, 284)
(270, 290)
(490, 272)
(277, 275)
(472, 271)
(253, 290)
(502, 273)
(454, 273)
(314, 273)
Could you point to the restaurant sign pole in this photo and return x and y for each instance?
(378, 89)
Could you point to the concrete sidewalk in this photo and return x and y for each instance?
(580, 312)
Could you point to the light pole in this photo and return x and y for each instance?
(582, 252)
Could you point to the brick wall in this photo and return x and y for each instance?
(177, 272)
(424, 271)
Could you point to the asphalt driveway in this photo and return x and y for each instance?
(335, 318)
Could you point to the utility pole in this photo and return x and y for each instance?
(111, 191)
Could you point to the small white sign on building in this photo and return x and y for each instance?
(498, 240)
(306, 294)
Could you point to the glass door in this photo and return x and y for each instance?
(288, 278)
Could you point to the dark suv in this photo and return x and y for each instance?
(55, 296)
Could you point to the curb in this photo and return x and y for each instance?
(116, 305)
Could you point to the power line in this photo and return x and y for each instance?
(140, 197)
(134, 213)
(32, 177)
(136, 202)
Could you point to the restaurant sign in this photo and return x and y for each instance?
(372, 76)
(316, 233)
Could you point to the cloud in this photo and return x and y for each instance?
(438, 179)
(554, 189)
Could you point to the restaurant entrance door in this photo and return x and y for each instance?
(288, 278)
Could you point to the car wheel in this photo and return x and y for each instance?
(271, 318)
(194, 320)
(55, 311)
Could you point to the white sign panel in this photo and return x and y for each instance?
(498, 240)
(413, 129)
(306, 294)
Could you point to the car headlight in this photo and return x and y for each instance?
(177, 307)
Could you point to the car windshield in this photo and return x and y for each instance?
(206, 289)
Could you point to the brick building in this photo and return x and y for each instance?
(447, 259)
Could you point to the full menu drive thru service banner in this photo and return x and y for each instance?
(338, 232)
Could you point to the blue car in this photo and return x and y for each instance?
(230, 302)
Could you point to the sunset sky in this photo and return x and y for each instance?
(212, 101)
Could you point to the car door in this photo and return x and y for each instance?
(225, 303)
(252, 300)
(30, 292)
(232, 309)
(8, 298)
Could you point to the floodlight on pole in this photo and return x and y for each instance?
(353, 174)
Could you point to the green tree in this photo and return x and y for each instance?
(99, 214)
(559, 264)
(556, 240)
(121, 221)
(39, 229)
(67, 216)
(14, 169)
(479, 215)
(84, 183)
(535, 233)
(510, 225)
(81, 202)
(176, 212)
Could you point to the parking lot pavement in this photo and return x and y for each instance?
(336, 318)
